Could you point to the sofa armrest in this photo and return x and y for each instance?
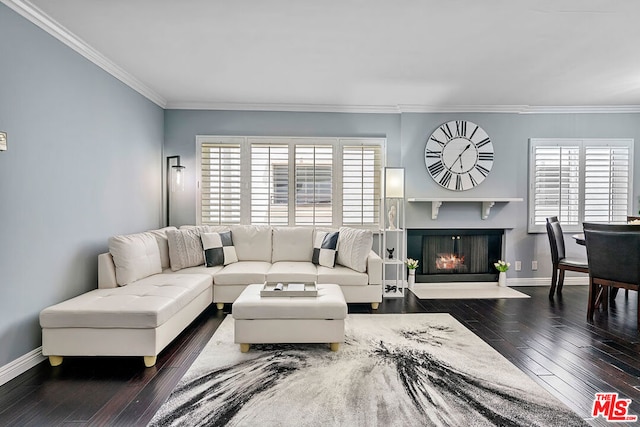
(106, 272)
(374, 268)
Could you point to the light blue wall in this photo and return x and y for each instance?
(84, 163)
(406, 137)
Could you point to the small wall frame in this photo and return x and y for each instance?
(3, 141)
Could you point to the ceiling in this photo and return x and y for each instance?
(359, 55)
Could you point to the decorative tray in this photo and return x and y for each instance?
(293, 289)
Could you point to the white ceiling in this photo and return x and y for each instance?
(407, 55)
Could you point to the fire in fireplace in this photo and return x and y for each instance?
(459, 255)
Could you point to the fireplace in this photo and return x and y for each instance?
(455, 255)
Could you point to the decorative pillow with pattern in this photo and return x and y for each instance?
(185, 249)
(218, 249)
(325, 249)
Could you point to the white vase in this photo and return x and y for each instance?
(502, 278)
(411, 279)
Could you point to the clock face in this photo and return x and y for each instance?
(459, 155)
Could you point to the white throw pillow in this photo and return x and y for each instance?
(163, 245)
(218, 249)
(325, 249)
(185, 249)
(252, 242)
(354, 246)
(135, 256)
(292, 244)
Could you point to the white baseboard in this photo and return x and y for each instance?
(20, 365)
(546, 281)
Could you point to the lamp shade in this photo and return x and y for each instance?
(394, 182)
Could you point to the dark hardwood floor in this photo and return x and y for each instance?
(550, 340)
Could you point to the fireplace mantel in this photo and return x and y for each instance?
(487, 202)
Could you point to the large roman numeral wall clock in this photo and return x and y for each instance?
(459, 155)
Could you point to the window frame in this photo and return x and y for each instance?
(582, 144)
(338, 144)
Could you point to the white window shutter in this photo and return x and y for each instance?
(361, 188)
(313, 184)
(270, 184)
(220, 183)
(556, 184)
(607, 181)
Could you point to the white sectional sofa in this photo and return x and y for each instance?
(152, 285)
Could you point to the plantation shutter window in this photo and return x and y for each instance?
(606, 181)
(288, 181)
(220, 183)
(313, 184)
(579, 180)
(361, 188)
(556, 183)
(270, 184)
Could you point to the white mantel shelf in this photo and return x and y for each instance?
(487, 202)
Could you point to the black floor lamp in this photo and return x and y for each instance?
(175, 181)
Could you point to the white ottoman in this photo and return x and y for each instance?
(271, 320)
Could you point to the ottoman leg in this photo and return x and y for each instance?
(334, 346)
(244, 347)
(374, 305)
(55, 360)
(219, 305)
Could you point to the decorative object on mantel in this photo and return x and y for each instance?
(3, 141)
(487, 202)
(458, 155)
(412, 265)
(502, 267)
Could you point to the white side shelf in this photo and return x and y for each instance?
(487, 202)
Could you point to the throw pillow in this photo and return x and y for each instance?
(218, 249)
(185, 249)
(135, 256)
(325, 249)
(354, 246)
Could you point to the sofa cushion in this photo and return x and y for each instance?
(252, 242)
(135, 257)
(201, 269)
(185, 249)
(148, 303)
(163, 245)
(242, 273)
(292, 271)
(325, 249)
(292, 244)
(206, 228)
(218, 249)
(343, 276)
(353, 248)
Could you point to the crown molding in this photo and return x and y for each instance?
(38, 17)
(405, 108)
(303, 108)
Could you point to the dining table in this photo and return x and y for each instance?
(579, 238)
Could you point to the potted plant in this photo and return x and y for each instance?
(502, 267)
(412, 264)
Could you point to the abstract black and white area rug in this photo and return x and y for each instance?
(392, 370)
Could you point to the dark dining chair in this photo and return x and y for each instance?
(613, 251)
(560, 262)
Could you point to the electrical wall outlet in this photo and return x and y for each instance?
(518, 265)
(534, 265)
